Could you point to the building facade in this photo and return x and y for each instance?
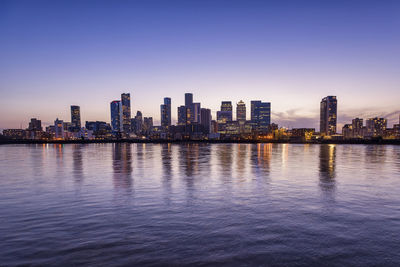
(206, 119)
(115, 107)
(261, 114)
(125, 112)
(166, 112)
(75, 118)
(241, 111)
(328, 115)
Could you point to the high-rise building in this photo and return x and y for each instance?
(196, 112)
(35, 125)
(182, 115)
(75, 118)
(261, 114)
(357, 128)
(206, 119)
(59, 128)
(126, 112)
(147, 124)
(115, 107)
(188, 99)
(328, 115)
(138, 126)
(226, 110)
(376, 126)
(241, 111)
(166, 112)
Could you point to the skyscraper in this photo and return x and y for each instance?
(126, 112)
(226, 112)
(59, 128)
(241, 111)
(182, 115)
(196, 112)
(357, 128)
(115, 107)
(138, 122)
(75, 118)
(188, 99)
(261, 114)
(35, 125)
(166, 112)
(328, 115)
(206, 119)
(147, 124)
(376, 126)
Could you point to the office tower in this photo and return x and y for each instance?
(75, 118)
(205, 119)
(188, 99)
(147, 124)
(182, 115)
(126, 112)
(59, 128)
(138, 122)
(241, 111)
(166, 112)
(35, 125)
(261, 114)
(115, 107)
(196, 112)
(328, 115)
(357, 128)
(376, 126)
(225, 114)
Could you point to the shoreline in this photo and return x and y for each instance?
(161, 141)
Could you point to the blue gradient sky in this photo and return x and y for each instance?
(291, 53)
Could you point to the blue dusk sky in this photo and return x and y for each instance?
(54, 54)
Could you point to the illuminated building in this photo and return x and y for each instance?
(182, 115)
(226, 109)
(137, 123)
(347, 131)
(75, 118)
(125, 112)
(328, 115)
(205, 119)
(188, 113)
(396, 129)
(115, 107)
(376, 127)
(35, 125)
(58, 129)
(196, 112)
(261, 114)
(357, 128)
(241, 111)
(166, 112)
(147, 125)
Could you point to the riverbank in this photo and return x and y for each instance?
(161, 141)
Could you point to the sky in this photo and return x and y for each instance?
(54, 54)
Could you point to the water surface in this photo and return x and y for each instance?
(199, 204)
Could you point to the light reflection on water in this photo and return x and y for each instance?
(247, 204)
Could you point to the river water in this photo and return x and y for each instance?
(199, 204)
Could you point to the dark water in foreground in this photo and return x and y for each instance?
(199, 204)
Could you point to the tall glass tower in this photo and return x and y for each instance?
(166, 112)
(328, 115)
(115, 107)
(76, 118)
(126, 112)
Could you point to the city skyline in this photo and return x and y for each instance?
(232, 52)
